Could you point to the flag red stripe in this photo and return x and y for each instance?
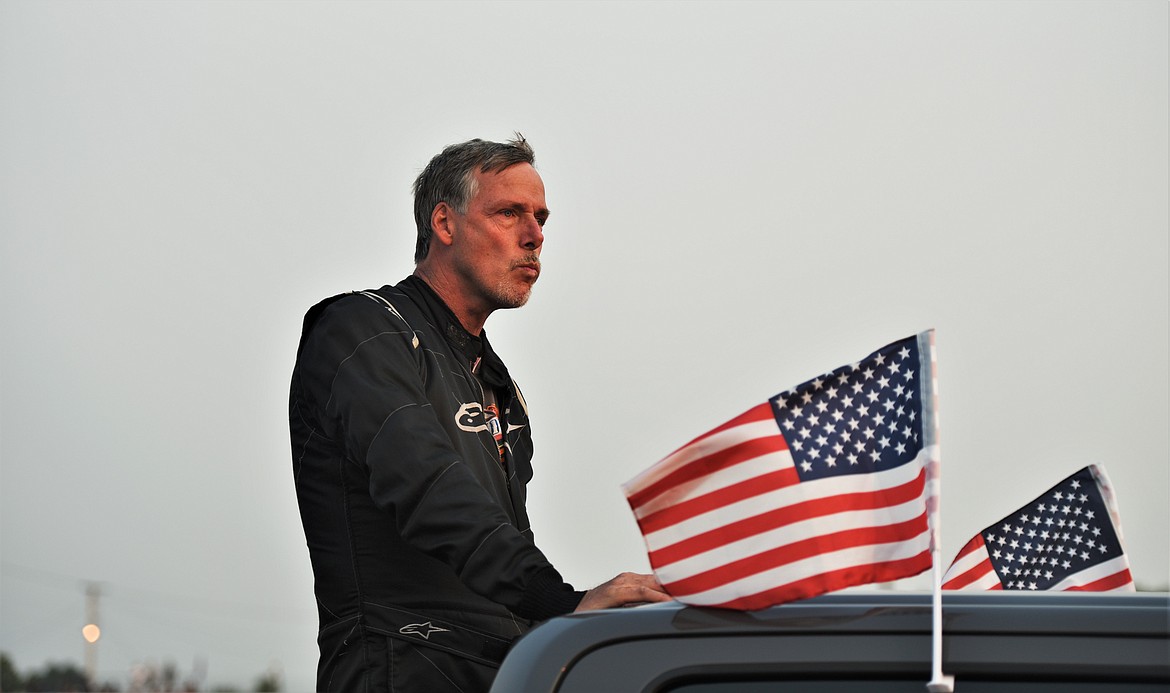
(975, 573)
(833, 580)
(782, 555)
(684, 477)
(971, 546)
(748, 488)
(797, 512)
(1109, 582)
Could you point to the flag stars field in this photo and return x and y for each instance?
(1077, 545)
(878, 432)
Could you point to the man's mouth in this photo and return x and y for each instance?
(529, 267)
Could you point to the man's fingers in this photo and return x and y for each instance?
(624, 590)
(646, 587)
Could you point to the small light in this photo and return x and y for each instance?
(91, 633)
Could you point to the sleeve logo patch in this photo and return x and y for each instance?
(423, 630)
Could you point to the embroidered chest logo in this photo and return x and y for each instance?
(423, 630)
(471, 418)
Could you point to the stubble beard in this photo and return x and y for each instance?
(511, 296)
(509, 293)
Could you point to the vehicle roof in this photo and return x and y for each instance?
(557, 644)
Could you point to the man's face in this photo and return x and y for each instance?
(496, 249)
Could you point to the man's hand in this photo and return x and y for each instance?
(627, 589)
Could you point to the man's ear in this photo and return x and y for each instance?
(442, 223)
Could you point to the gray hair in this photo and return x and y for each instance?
(450, 178)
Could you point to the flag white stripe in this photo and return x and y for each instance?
(782, 498)
(759, 466)
(962, 565)
(708, 446)
(810, 567)
(987, 582)
(1094, 573)
(745, 548)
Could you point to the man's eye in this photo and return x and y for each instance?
(508, 212)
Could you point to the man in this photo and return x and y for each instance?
(411, 447)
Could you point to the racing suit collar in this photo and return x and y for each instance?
(491, 367)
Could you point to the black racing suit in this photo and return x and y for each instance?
(425, 567)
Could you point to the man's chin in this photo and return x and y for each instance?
(514, 297)
(522, 300)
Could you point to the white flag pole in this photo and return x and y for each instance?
(939, 682)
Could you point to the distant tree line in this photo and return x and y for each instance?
(66, 677)
(55, 676)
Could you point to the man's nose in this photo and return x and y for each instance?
(533, 233)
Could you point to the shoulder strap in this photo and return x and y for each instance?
(379, 298)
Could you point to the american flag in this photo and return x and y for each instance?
(1067, 539)
(822, 487)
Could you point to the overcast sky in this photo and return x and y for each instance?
(744, 196)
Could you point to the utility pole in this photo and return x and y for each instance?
(91, 632)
